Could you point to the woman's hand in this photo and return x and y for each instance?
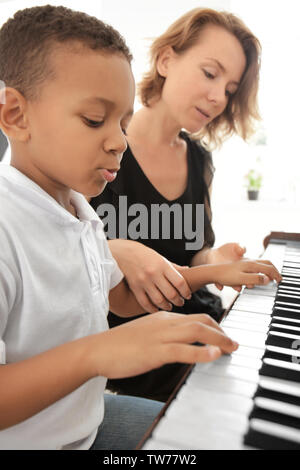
(154, 340)
(155, 281)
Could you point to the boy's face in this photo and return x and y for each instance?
(77, 124)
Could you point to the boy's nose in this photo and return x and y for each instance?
(117, 143)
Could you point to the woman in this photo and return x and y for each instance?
(203, 80)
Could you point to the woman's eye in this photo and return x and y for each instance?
(92, 123)
(124, 131)
(208, 74)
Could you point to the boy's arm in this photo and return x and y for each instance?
(243, 272)
(31, 385)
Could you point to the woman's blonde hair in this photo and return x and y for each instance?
(242, 109)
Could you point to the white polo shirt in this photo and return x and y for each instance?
(55, 275)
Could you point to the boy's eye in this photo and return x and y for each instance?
(92, 123)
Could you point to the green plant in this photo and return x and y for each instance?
(254, 180)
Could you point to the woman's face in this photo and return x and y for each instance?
(199, 82)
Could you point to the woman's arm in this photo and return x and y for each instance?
(237, 274)
(152, 278)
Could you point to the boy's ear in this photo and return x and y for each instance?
(164, 59)
(13, 116)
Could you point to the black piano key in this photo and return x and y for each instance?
(260, 440)
(284, 329)
(286, 313)
(288, 298)
(285, 322)
(280, 356)
(280, 372)
(277, 355)
(292, 305)
(281, 341)
(282, 397)
(273, 417)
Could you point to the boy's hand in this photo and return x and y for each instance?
(246, 272)
(155, 282)
(229, 252)
(154, 340)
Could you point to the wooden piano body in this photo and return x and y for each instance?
(250, 399)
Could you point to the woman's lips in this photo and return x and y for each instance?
(109, 175)
(202, 113)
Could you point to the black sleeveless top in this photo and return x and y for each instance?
(133, 183)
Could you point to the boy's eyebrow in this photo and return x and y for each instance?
(98, 99)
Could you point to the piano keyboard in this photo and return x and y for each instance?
(251, 398)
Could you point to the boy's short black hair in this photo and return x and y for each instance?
(27, 39)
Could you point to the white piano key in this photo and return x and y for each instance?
(249, 298)
(284, 335)
(285, 309)
(253, 308)
(286, 327)
(284, 364)
(291, 280)
(278, 406)
(226, 385)
(244, 301)
(274, 429)
(289, 289)
(233, 372)
(200, 398)
(246, 338)
(279, 385)
(286, 320)
(211, 417)
(231, 323)
(255, 353)
(254, 318)
(240, 360)
(287, 351)
(170, 431)
(153, 444)
(238, 310)
(287, 304)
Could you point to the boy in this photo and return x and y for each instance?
(68, 100)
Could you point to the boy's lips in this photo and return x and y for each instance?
(109, 175)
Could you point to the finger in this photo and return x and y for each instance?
(219, 286)
(241, 250)
(157, 298)
(237, 288)
(169, 292)
(178, 282)
(177, 266)
(190, 354)
(144, 301)
(202, 328)
(265, 268)
(255, 279)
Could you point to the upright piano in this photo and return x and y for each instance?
(251, 398)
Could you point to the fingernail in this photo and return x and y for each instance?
(235, 345)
